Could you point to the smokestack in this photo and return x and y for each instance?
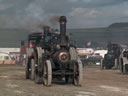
(63, 22)
(46, 30)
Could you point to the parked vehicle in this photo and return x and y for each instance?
(111, 59)
(6, 59)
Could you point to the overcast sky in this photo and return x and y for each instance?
(80, 13)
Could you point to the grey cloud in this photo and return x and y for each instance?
(81, 13)
(58, 6)
(100, 3)
(98, 17)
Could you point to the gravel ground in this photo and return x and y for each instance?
(96, 83)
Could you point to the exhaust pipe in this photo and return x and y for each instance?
(46, 31)
(63, 22)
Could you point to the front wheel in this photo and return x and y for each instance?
(47, 73)
(78, 73)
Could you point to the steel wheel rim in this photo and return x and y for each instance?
(76, 76)
(45, 75)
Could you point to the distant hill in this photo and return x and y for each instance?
(97, 36)
(12, 37)
(100, 36)
(119, 25)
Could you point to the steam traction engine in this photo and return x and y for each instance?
(33, 40)
(124, 61)
(56, 57)
(111, 59)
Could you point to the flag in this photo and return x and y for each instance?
(89, 43)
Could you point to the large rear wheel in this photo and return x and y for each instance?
(67, 79)
(32, 69)
(102, 64)
(38, 79)
(38, 65)
(27, 73)
(38, 73)
(47, 73)
(121, 66)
